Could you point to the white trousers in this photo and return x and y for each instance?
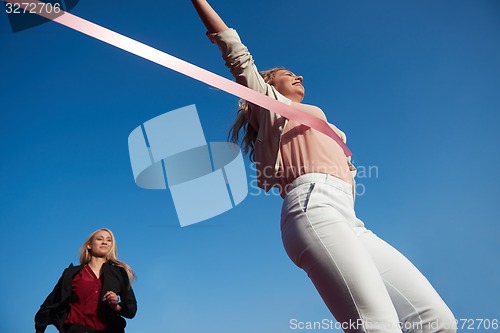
(366, 284)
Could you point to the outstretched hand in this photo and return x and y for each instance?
(212, 21)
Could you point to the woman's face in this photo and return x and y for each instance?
(100, 244)
(289, 85)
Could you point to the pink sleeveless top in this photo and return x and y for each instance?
(304, 150)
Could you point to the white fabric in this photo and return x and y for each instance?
(360, 277)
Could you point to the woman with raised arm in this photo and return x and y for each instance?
(366, 284)
(94, 296)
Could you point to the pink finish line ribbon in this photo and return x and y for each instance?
(183, 67)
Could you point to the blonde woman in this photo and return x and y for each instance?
(366, 284)
(94, 296)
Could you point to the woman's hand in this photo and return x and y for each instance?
(112, 299)
(209, 17)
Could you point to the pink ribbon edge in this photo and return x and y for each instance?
(164, 59)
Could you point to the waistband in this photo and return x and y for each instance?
(322, 178)
(76, 328)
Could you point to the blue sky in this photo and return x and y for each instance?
(414, 84)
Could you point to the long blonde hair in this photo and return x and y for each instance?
(111, 256)
(241, 123)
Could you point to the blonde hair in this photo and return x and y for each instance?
(111, 256)
(241, 123)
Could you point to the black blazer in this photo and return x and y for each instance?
(54, 309)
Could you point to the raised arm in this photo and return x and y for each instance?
(235, 54)
(209, 16)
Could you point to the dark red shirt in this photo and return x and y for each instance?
(86, 307)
